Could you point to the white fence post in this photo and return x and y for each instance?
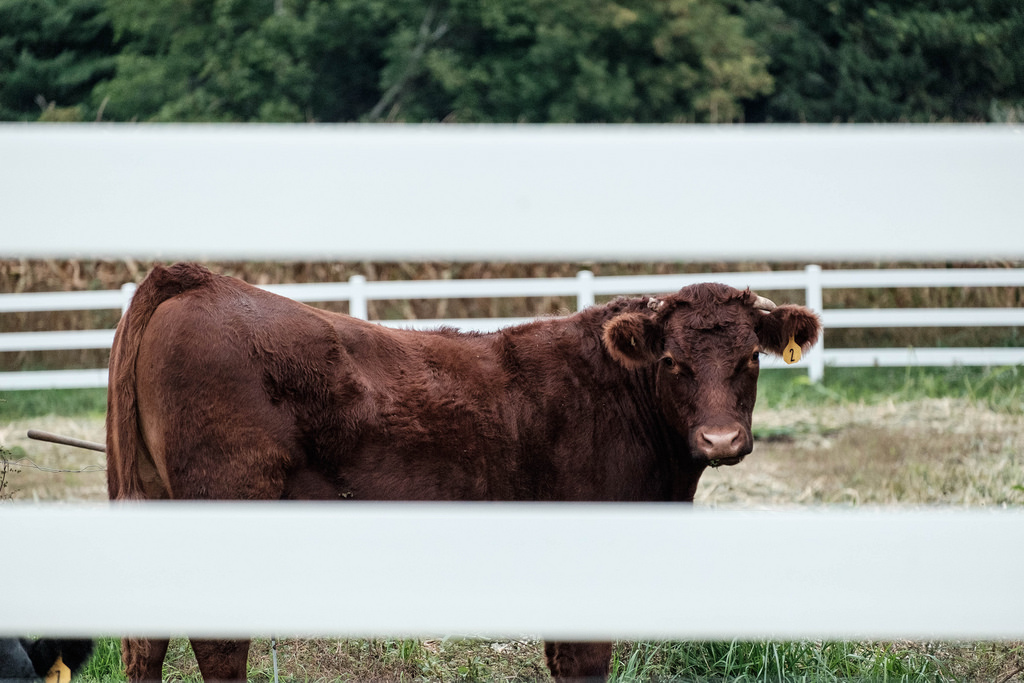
(357, 307)
(814, 301)
(585, 296)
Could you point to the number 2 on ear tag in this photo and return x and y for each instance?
(792, 352)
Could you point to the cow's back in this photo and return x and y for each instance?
(245, 394)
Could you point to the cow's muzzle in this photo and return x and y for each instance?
(721, 445)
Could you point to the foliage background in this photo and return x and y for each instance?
(530, 61)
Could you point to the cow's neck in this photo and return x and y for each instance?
(663, 449)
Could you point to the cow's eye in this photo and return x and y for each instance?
(679, 370)
(756, 357)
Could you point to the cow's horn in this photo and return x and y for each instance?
(655, 304)
(763, 304)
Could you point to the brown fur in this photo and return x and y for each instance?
(578, 662)
(219, 390)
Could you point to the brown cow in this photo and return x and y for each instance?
(220, 390)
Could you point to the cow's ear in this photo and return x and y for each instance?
(633, 339)
(775, 329)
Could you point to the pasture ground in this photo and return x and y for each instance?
(920, 441)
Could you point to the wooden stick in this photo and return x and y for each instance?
(40, 435)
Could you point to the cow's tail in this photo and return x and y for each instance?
(126, 450)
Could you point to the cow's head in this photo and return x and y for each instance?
(701, 345)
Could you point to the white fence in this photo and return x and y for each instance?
(585, 287)
(513, 193)
(610, 571)
(517, 193)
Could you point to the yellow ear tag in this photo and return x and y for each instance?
(59, 672)
(791, 354)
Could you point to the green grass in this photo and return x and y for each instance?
(697, 662)
(105, 664)
(16, 405)
(742, 662)
(1000, 388)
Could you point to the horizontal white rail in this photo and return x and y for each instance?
(61, 301)
(464, 324)
(653, 284)
(515, 192)
(53, 379)
(922, 277)
(556, 286)
(505, 570)
(56, 341)
(453, 289)
(585, 287)
(923, 317)
(866, 358)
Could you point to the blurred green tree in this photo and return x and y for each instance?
(209, 60)
(916, 61)
(582, 61)
(531, 61)
(52, 54)
(252, 60)
(462, 60)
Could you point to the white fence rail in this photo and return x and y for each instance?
(513, 193)
(568, 571)
(546, 193)
(585, 287)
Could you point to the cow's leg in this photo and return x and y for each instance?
(578, 661)
(143, 658)
(221, 660)
(232, 475)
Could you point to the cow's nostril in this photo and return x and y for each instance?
(719, 442)
(720, 438)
